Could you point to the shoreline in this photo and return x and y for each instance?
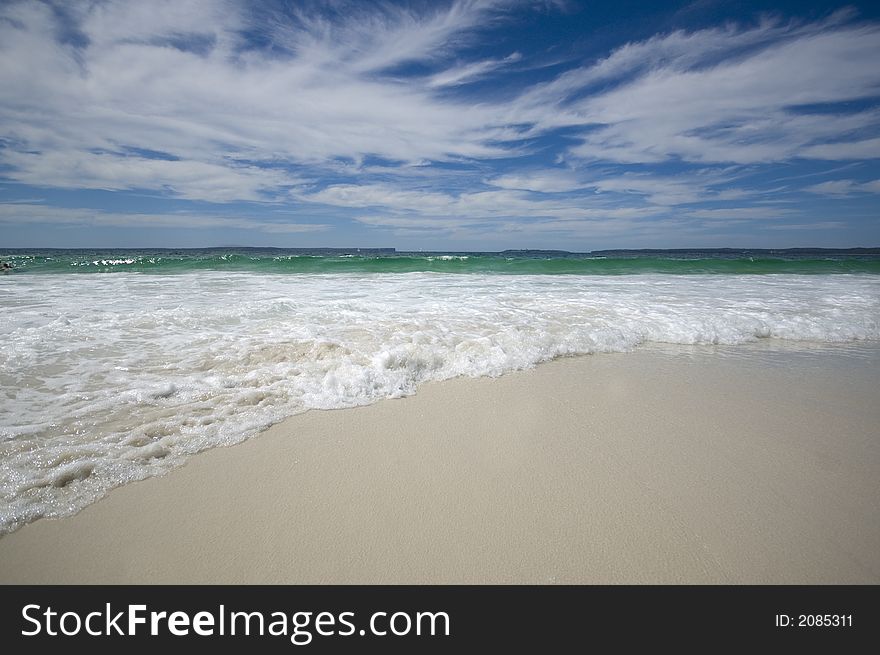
(680, 465)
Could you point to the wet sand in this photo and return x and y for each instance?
(741, 465)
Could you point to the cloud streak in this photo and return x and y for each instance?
(38, 214)
(374, 111)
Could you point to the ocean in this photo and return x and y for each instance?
(117, 365)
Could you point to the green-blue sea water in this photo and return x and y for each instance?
(272, 260)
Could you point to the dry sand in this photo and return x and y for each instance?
(732, 466)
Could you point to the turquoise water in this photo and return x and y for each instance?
(270, 260)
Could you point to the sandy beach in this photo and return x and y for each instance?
(739, 465)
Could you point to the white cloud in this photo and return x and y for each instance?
(114, 171)
(679, 50)
(716, 95)
(819, 225)
(655, 189)
(544, 181)
(741, 213)
(24, 214)
(236, 121)
(604, 228)
(841, 188)
(467, 207)
(864, 149)
(658, 190)
(130, 87)
(381, 37)
(470, 72)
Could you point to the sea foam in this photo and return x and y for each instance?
(109, 379)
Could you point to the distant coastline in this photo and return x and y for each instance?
(738, 251)
(540, 252)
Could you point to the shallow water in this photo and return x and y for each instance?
(105, 379)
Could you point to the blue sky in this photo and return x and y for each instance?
(466, 125)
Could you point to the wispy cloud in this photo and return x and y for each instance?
(746, 108)
(741, 213)
(817, 225)
(130, 86)
(842, 188)
(367, 110)
(469, 206)
(470, 72)
(544, 181)
(28, 214)
(195, 180)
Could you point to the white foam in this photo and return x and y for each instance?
(108, 379)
